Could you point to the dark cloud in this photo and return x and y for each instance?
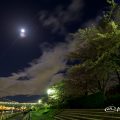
(56, 20)
(23, 78)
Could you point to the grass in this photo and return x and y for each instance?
(44, 114)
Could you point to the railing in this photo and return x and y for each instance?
(24, 115)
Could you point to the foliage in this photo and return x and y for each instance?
(113, 100)
(98, 50)
(98, 64)
(57, 97)
(44, 114)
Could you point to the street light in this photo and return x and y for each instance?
(50, 91)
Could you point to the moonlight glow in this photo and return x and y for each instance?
(22, 32)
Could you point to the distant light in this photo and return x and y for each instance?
(39, 101)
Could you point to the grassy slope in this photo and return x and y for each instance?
(44, 114)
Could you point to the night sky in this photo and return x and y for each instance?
(29, 64)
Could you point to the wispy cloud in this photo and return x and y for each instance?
(41, 74)
(56, 20)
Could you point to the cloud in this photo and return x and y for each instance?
(41, 74)
(61, 16)
(35, 79)
(56, 78)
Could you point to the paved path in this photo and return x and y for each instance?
(93, 114)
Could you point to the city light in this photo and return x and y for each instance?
(39, 101)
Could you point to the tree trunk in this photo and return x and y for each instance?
(118, 76)
(86, 88)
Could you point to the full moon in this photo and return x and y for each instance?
(22, 30)
(22, 33)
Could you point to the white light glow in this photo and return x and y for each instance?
(39, 101)
(22, 34)
(50, 91)
(22, 30)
